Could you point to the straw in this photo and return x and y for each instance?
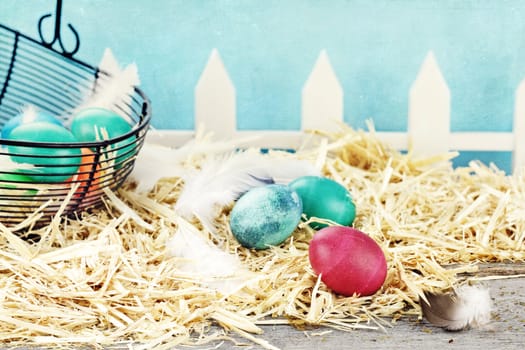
(104, 278)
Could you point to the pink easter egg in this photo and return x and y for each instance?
(348, 260)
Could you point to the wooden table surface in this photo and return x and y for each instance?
(506, 331)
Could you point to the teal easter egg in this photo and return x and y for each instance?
(265, 216)
(25, 118)
(87, 126)
(325, 199)
(52, 164)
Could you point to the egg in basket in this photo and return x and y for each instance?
(68, 130)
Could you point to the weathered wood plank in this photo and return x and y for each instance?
(507, 331)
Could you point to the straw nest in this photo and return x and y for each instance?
(104, 278)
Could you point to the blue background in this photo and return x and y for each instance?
(269, 48)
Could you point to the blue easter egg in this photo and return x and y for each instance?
(30, 116)
(87, 126)
(51, 164)
(265, 216)
(325, 198)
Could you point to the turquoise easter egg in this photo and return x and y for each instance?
(265, 216)
(52, 164)
(87, 126)
(26, 117)
(324, 198)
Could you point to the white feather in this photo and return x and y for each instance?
(474, 307)
(29, 114)
(466, 307)
(115, 89)
(205, 262)
(156, 161)
(223, 179)
(6, 164)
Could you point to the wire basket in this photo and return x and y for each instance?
(32, 73)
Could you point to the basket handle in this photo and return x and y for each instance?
(57, 33)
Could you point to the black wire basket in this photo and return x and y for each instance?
(33, 73)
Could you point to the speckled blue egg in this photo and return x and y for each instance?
(265, 216)
(25, 118)
(51, 164)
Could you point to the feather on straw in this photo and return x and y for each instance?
(222, 180)
(219, 182)
(466, 307)
(206, 262)
(156, 161)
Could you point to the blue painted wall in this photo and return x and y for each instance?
(269, 48)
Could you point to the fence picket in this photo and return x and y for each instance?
(429, 110)
(215, 100)
(518, 157)
(322, 97)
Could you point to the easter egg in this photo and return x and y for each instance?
(88, 125)
(16, 191)
(265, 216)
(325, 199)
(29, 116)
(88, 175)
(53, 164)
(349, 261)
(16, 184)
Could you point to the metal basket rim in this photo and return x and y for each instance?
(16, 32)
(145, 116)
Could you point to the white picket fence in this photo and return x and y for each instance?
(322, 105)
